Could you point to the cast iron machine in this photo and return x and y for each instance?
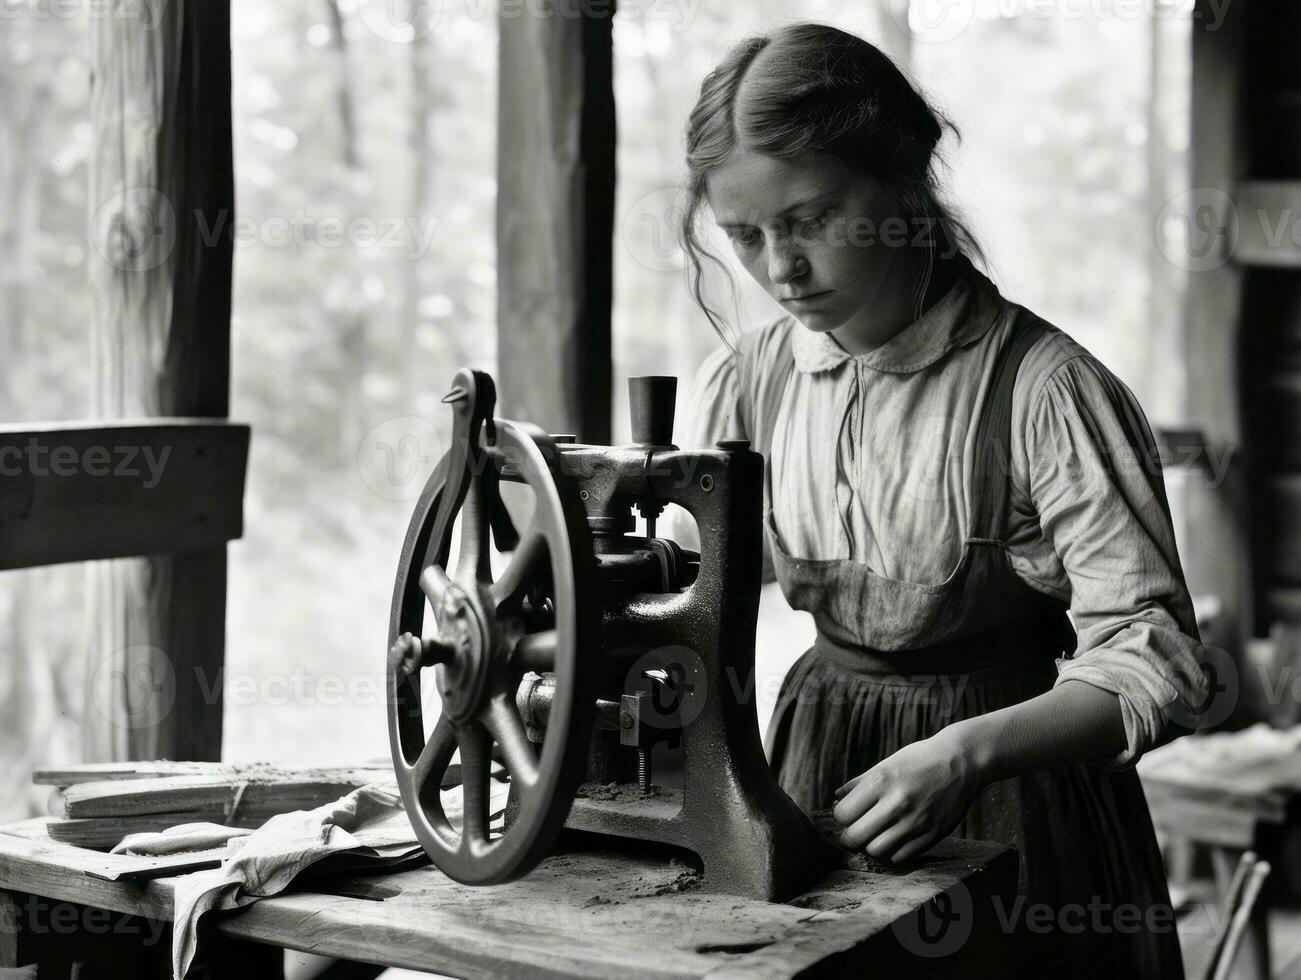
(591, 646)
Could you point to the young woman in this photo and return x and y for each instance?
(946, 475)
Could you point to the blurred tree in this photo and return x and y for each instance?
(44, 309)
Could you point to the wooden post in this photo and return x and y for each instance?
(162, 200)
(1164, 401)
(1270, 250)
(555, 217)
(1217, 562)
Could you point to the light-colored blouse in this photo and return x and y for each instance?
(870, 461)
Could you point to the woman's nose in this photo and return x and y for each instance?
(785, 265)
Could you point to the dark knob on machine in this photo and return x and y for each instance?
(652, 400)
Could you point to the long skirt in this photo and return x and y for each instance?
(1092, 897)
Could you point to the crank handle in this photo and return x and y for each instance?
(408, 653)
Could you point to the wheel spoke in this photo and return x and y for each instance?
(536, 651)
(435, 756)
(507, 728)
(434, 584)
(474, 562)
(476, 759)
(523, 563)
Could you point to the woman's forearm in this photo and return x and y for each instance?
(1074, 722)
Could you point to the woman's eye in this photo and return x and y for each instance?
(745, 238)
(813, 222)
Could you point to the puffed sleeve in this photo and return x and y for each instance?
(712, 406)
(713, 413)
(1095, 481)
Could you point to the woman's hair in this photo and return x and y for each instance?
(812, 88)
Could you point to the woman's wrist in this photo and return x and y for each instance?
(971, 742)
(1071, 723)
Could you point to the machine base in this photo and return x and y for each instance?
(772, 861)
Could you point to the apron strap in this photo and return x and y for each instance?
(992, 470)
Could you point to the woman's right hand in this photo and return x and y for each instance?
(908, 802)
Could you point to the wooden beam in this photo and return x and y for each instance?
(1165, 160)
(1216, 560)
(555, 218)
(83, 493)
(1269, 224)
(162, 192)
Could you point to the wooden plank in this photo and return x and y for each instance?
(557, 929)
(588, 914)
(107, 831)
(546, 924)
(1269, 221)
(104, 771)
(555, 217)
(111, 490)
(254, 793)
(167, 866)
(118, 867)
(878, 899)
(81, 772)
(163, 197)
(59, 872)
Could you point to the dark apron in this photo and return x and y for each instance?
(979, 641)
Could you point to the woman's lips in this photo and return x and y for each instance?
(807, 299)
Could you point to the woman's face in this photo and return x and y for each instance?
(820, 239)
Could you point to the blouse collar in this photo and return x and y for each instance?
(963, 315)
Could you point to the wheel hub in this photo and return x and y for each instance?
(463, 679)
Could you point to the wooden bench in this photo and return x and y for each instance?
(579, 914)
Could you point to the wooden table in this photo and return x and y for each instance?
(579, 914)
(1229, 792)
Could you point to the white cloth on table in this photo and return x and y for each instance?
(266, 861)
